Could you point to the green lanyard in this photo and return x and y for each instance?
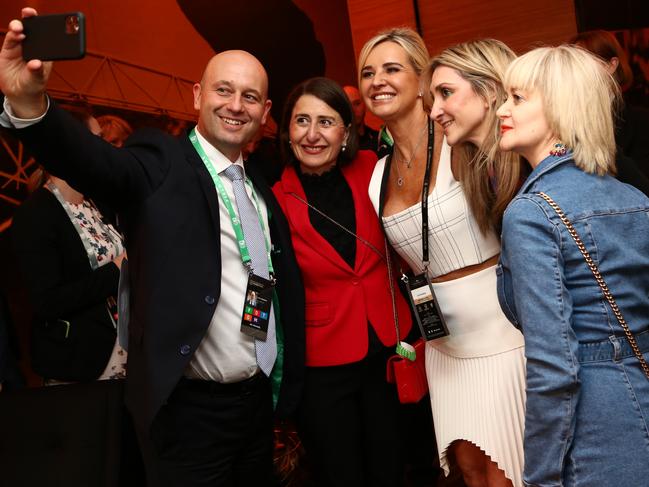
(234, 219)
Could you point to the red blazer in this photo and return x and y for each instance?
(340, 300)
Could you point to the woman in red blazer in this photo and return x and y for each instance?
(348, 419)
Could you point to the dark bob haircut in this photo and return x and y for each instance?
(333, 95)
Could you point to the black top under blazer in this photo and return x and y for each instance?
(63, 287)
(169, 211)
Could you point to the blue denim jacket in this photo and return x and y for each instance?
(545, 287)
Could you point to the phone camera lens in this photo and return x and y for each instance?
(72, 24)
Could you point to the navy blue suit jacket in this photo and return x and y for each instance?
(169, 211)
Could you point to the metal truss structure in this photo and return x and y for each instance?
(96, 80)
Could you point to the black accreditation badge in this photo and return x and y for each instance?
(422, 300)
(256, 308)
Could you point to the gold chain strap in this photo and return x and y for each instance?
(600, 280)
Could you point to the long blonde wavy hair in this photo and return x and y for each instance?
(490, 177)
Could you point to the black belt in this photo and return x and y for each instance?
(211, 386)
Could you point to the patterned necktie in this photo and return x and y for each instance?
(266, 351)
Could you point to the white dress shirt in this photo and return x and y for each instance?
(226, 354)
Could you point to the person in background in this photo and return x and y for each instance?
(70, 255)
(587, 395)
(476, 372)
(632, 121)
(176, 127)
(349, 415)
(114, 130)
(367, 137)
(262, 152)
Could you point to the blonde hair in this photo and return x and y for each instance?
(408, 39)
(579, 98)
(483, 64)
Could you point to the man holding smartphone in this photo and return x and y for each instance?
(203, 375)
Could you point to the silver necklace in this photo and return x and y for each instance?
(400, 179)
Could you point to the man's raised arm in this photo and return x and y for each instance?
(23, 83)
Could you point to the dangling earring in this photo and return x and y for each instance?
(344, 147)
(559, 149)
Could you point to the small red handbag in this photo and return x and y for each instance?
(409, 376)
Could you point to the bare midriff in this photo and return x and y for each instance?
(467, 271)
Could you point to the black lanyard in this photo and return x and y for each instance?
(424, 198)
(427, 314)
(424, 193)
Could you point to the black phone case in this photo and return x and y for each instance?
(50, 37)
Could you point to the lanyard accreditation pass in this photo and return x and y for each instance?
(258, 301)
(234, 219)
(420, 290)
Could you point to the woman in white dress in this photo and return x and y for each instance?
(476, 373)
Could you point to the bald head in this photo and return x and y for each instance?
(240, 61)
(232, 99)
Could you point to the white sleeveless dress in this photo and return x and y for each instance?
(476, 375)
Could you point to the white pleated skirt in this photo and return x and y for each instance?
(477, 392)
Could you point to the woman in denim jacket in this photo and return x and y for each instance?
(587, 396)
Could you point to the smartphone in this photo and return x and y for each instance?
(52, 37)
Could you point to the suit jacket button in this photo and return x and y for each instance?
(185, 349)
(209, 299)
